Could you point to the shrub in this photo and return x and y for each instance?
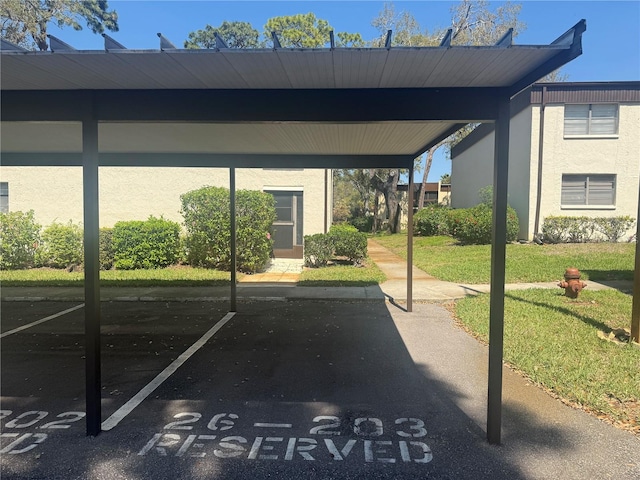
(363, 224)
(208, 224)
(318, 250)
(19, 238)
(580, 230)
(153, 243)
(206, 218)
(554, 229)
(255, 213)
(106, 248)
(431, 220)
(61, 246)
(348, 242)
(613, 228)
(561, 229)
(454, 218)
(474, 225)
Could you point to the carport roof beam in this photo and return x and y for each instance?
(208, 160)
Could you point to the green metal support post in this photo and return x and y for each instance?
(410, 241)
(91, 275)
(232, 213)
(498, 258)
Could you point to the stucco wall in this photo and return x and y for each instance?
(472, 170)
(619, 155)
(55, 193)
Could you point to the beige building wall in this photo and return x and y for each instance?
(134, 193)
(472, 170)
(608, 154)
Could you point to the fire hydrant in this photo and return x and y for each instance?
(572, 284)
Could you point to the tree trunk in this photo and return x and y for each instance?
(388, 187)
(391, 199)
(427, 167)
(41, 37)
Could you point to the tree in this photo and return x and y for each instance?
(235, 35)
(25, 22)
(427, 167)
(307, 31)
(473, 22)
(555, 76)
(406, 29)
(445, 178)
(352, 40)
(353, 195)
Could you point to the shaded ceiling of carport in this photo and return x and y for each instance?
(338, 102)
(304, 108)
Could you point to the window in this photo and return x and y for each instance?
(4, 197)
(591, 119)
(430, 197)
(588, 190)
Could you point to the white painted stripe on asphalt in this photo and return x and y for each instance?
(38, 322)
(139, 397)
(273, 425)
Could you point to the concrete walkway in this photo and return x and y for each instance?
(279, 283)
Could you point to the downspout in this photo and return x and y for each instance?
(326, 199)
(543, 103)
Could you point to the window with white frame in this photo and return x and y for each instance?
(591, 189)
(4, 197)
(591, 119)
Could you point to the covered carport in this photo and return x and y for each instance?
(264, 108)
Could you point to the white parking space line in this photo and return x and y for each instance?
(139, 397)
(38, 322)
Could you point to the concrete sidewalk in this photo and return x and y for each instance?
(280, 285)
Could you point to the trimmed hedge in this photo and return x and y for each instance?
(431, 220)
(208, 224)
(343, 240)
(348, 242)
(19, 239)
(106, 249)
(62, 246)
(473, 226)
(563, 229)
(467, 225)
(318, 250)
(153, 243)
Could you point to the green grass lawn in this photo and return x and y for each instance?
(442, 258)
(554, 341)
(340, 275)
(335, 275)
(180, 276)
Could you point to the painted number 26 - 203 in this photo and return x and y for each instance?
(327, 425)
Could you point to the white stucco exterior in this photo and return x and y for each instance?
(617, 154)
(135, 193)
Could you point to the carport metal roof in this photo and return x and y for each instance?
(311, 108)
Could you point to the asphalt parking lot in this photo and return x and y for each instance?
(281, 390)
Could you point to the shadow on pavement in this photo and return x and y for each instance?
(304, 389)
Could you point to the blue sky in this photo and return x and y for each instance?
(611, 43)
